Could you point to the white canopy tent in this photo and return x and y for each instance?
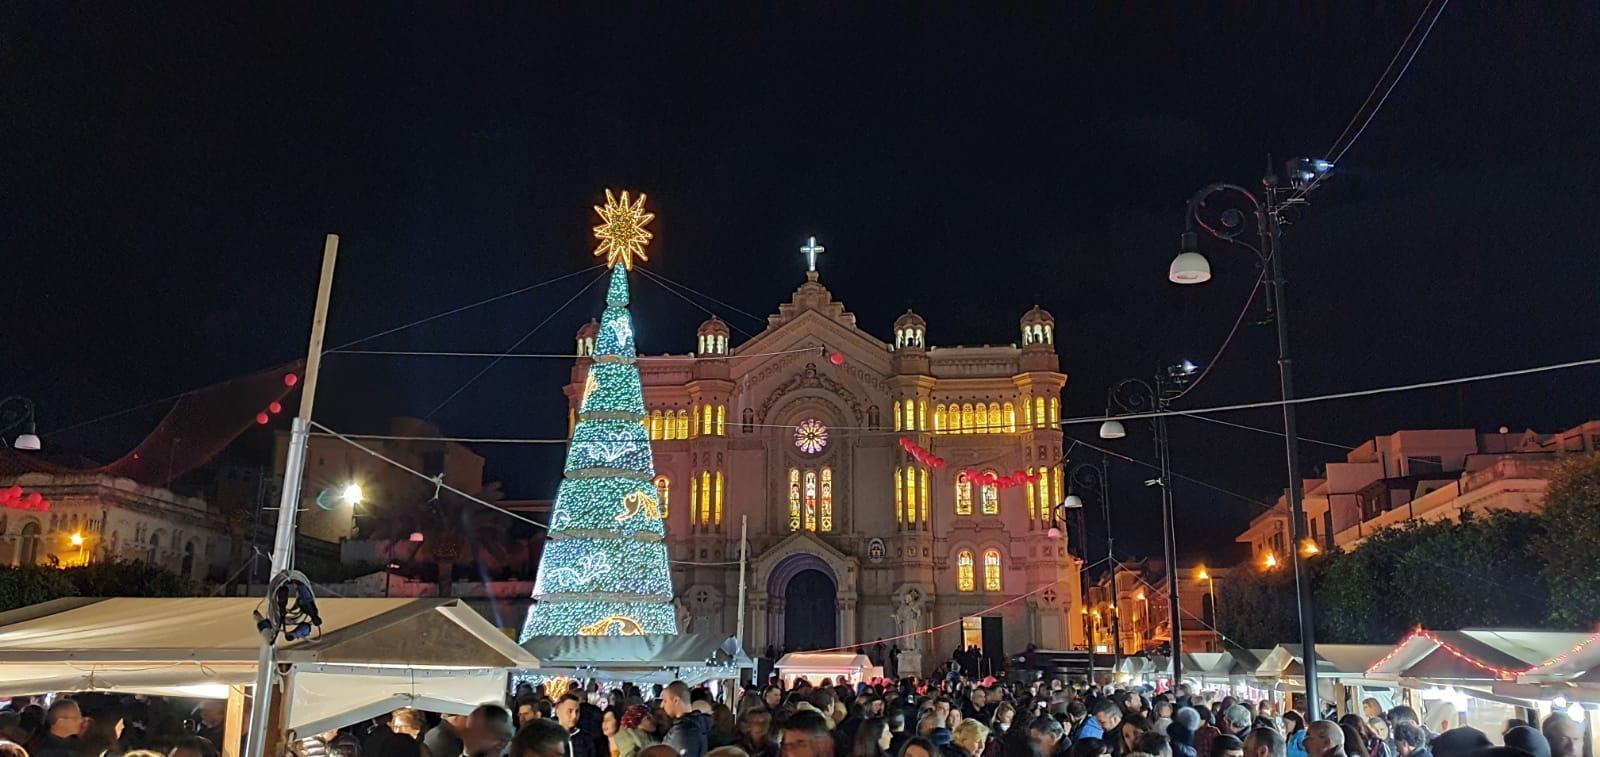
(369, 656)
(841, 666)
(651, 658)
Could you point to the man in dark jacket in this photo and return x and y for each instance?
(691, 730)
(62, 724)
(567, 711)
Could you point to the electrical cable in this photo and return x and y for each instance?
(1206, 371)
(703, 308)
(758, 319)
(572, 356)
(514, 345)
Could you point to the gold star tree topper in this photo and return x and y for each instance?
(622, 236)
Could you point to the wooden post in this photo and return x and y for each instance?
(233, 723)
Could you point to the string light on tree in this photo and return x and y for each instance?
(604, 571)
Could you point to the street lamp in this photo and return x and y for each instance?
(1091, 478)
(1191, 267)
(77, 541)
(1216, 613)
(1134, 396)
(29, 438)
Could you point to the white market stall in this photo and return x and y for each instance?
(1339, 667)
(651, 658)
(369, 655)
(842, 667)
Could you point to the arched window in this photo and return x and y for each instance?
(825, 501)
(899, 498)
(991, 570)
(722, 417)
(28, 551)
(897, 415)
(706, 420)
(705, 497)
(794, 499)
(939, 424)
(187, 570)
(1033, 499)
(996, 424)
(716, 517)
(748, 420)
(967, 418)
(683, 424)
(1027, 412)
(694, 498)
(922, 493)
(911, 494)
(1038, 412)
(963, 494)
(1011, 417)
(1055, 409)
(664, 494)
(990, 496)
(811, 500)
(910, 408)
(964, 577)
(873, 420)
(922, 414)
(655, 425)
(982, 421)
(1045, 502)
(1060, 491)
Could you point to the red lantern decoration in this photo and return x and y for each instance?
(836, 358)
(275, 408)
(263, 418)
(289, 379)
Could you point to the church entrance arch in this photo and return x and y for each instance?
(803, 612)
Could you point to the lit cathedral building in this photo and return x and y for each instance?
(853, 540)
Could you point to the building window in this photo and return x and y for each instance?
(939, 424)
(683, 424)
(722, 418)
(982, 422)
(1045, 503)
(716, 516)
(911, 494)
(899, 498)
(873, 419)
(1038, 412)
(910, 423)
(896, 414)
(705, 497)
(811, 436)
(964, 567)
(664, 494)
(1033, 499)
(28, 552)
(655, 425)
(922, 494)
(967, 418)
(990, 495)
(963, 494)
(825, 501)
(811, 500)
(794, 499)
(748, 421)
(991, 570)
(922, 414)
(1011, 417)
(996, 424)
(1055, 410)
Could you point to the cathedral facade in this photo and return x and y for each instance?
(804, 433)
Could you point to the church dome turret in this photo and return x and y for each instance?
(910, 331)
(712, 337)
(1038, 328)
(586, 336)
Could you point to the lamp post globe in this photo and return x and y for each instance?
(1112, 429)
(1073, 502)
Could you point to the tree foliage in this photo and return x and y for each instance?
(1571, 543)
(20, 587)
(1257, 608)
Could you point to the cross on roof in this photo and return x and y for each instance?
(810, 250)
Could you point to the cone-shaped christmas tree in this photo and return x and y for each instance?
(604, 568)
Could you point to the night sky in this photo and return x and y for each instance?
(166, 178)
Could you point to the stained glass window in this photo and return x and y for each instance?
(911, 495)
(964, 568)
(664, 493)
(991, 497)
(939, 424)
(705, 497)
(1033, 499)
(899, 498)
(811, 436)
(811, 500)
(991, 570)
(683, 424)
(826, 501)
(794, 499)
(1011, 417)
(983, 418)
(996, 424)
(963, 494)
(717, 515)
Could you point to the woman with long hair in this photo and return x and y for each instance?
(635, 731)
(872, 739)
(1294, 734)
(1366, 742)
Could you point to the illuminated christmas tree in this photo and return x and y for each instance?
(604, 569)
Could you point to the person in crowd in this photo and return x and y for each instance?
(1265, 742)
(1368, 743)
(917, 746)
(1410, 741)
(1162, 709)
(1401, 713)
(539, 738)
(1439, 716)
(1181, 734)
(1564, 734)
(444, 739)
(1294, 733)
(1132, 728)
(773, 696)
(211, 713)
(970, 737)
(63, 723)
(1004, 713)
(1103, 718)
(898, 735)
(13, 749)
(1227, 746)
(568, 709)
(635, 731)
(1132, 703)
(1049, 736)
(755, 734)
(488, 732)
(193, 746)
(806, 734)
(691, 729)
(1528, 739)
(872, 739)
(1154, 744)
(1370, 708)
(610, 725)
(1380, 726)
(927, 723)
(1459, 742)
(1204, 732)
(1091, 747)
(1235, 721)
(659, 750)
(1324, 739)
(724, 728)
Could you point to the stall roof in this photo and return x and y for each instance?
(1343, 660)
(442, 650)
(1473, 654)
(631, 656)
(1579, 662)
(824, 661)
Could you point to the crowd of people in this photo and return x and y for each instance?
(950, 717)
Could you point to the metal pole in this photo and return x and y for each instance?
(289, 499)
(1170, 538)
(744, 548)
(1111, 560)
(1267, 220)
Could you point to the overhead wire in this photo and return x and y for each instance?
(1206, 369)
(661, 278)
(706, 310)
(514, 345)
(574, 356)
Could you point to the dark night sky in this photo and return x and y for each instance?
(166, 179)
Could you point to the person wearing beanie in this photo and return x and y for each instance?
(1459, 742)
(1528, 739)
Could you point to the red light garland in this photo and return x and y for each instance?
(1501, 673)
(919, 454)
(16, 500)
(988, 478)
